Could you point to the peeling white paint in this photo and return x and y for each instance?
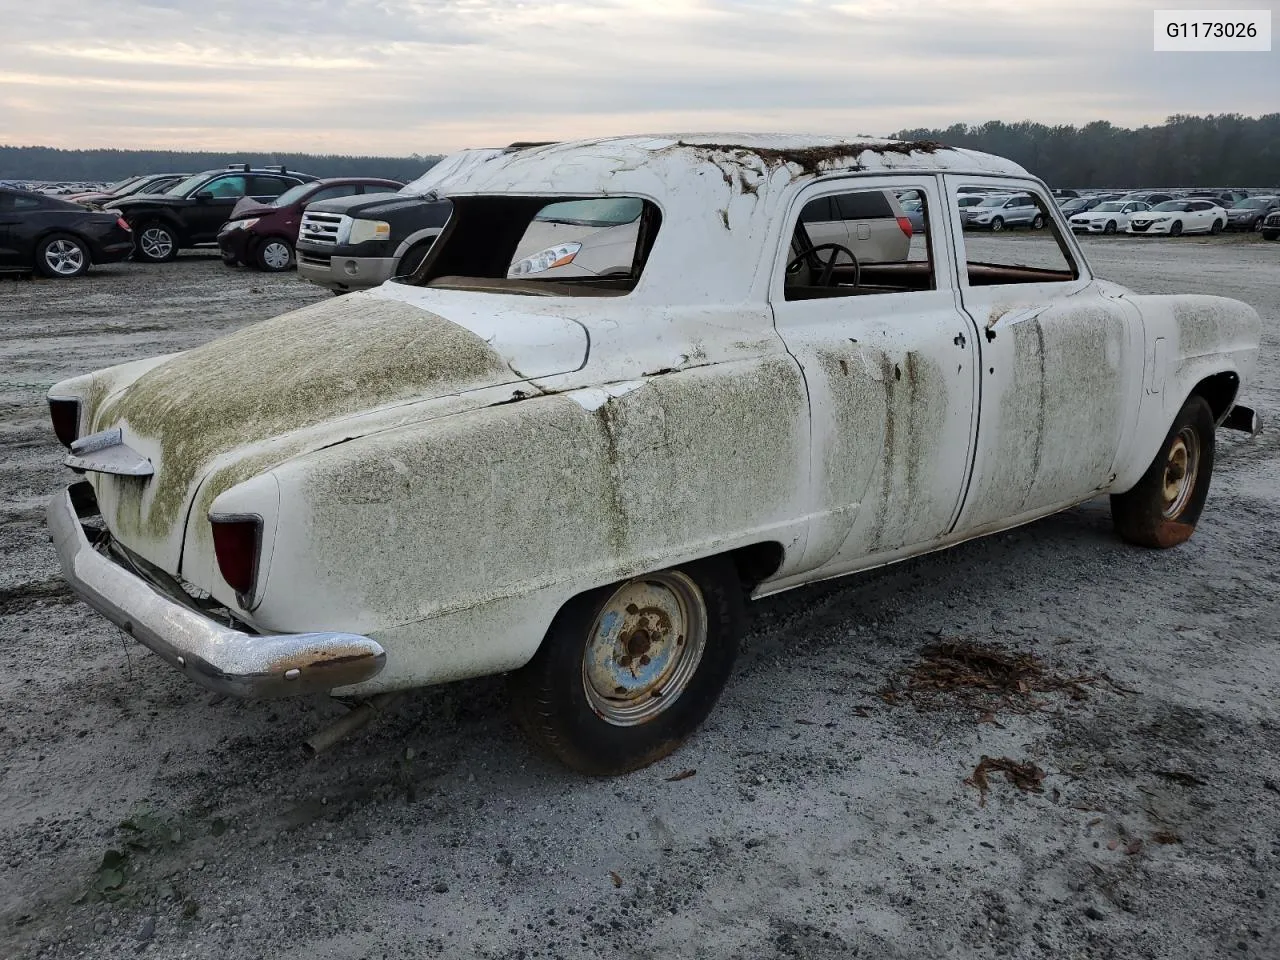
(593, 398)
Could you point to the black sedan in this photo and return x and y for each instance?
(57, 238)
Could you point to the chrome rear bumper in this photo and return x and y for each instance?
(219, 657)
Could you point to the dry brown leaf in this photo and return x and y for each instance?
(617, 880)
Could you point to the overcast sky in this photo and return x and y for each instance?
(425, 76)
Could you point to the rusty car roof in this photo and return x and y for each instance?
(610, 165)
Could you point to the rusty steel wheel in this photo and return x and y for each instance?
(1180, 471)
(627, 672)
(1163, 507)
(644, 648)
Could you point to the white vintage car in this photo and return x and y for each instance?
(580, 479)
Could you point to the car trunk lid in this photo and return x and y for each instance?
(273, 386)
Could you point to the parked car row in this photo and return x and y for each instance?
(1189, 211)
(252, 214)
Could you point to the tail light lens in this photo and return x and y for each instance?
(65, 414)
(905, 224)
(123, 224)
(237, 542)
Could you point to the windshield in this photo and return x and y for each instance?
(1253, 203)
(592, 213)
(143, 185)
(121, 184)
(292, 195)
(1109, 207)
(1178, 206)
(183, 187)
(994, 202)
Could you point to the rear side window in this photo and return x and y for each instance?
(817, 211)
(268, 186)
(333, 193)
(571, 246)
(864, 205)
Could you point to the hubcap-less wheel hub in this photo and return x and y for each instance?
(64, 257)
(156, 243)
(1180, 472)
(644, 648)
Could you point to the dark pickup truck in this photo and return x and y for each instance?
(360, 242)
(355, 242)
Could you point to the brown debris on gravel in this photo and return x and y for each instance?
(1025, 776)
(983, 676)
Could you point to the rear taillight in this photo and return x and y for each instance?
(905, 224)
(123, 224)
(65, 414)
(237, 542)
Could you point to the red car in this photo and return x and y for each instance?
(264, 234)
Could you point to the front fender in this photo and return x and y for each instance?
(1188, 339)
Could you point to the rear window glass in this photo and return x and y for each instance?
(579, 246)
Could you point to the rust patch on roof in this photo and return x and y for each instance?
(811, 159)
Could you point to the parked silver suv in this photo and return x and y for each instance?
(999, 212)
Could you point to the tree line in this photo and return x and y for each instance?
(1223, 150)
(51, 163)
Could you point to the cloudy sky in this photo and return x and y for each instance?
(424, 76)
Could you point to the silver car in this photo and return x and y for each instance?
(871, 224)
(1000, 212)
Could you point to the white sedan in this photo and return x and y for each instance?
(1176, 217)
(579, 481)
(1108, 217)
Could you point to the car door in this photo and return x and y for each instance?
(1061, 372)
(890, 366)
(213, 203)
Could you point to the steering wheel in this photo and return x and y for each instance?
(828, 268)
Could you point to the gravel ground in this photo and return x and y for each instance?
(140, 813)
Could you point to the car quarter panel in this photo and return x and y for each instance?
(474, 529)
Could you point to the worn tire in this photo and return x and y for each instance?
(413, 258)
(274, 255)
(1110, 227)
(1216, 228)
(1037, 223)
(1176, 229)
(997, 224)
(61, 256)
(560, 709)
(155, 242)
(1149, 515)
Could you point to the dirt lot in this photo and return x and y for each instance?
(827, 817)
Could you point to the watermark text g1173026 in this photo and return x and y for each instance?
(1223, 31)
